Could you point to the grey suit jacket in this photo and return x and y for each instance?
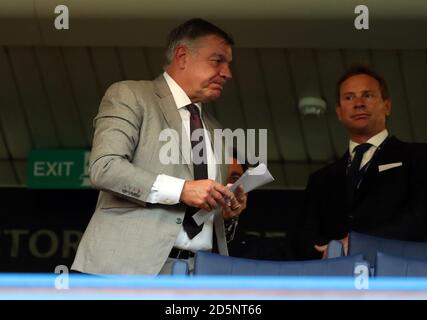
(127, 235)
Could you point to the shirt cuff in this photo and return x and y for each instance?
(166, 190)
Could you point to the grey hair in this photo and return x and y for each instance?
(170, 50)
(189, 33)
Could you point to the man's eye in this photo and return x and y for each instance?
(369, 95)
(349, 98)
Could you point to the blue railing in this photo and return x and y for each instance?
(83, 287)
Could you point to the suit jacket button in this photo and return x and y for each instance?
(178, 220)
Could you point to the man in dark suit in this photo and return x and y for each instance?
(378, 187)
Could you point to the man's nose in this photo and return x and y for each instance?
(359, 102)
(226, 72)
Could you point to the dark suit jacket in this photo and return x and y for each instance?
(391, 203)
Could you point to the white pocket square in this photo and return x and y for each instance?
(387, 166)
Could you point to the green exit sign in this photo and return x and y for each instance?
(58, 169)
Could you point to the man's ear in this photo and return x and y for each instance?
(388, 107)
(338, 111)
(181, 54)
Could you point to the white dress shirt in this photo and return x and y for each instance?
(167, 189)
(375, 141)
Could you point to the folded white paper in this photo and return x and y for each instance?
(250, 180)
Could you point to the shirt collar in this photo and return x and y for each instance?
(375, 140)
(180, 97)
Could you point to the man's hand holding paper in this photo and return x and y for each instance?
(250, 180)
(236, 205)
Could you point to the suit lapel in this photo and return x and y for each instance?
(335, 185)
(385, 153)
(342, 167)
(340, 181)
(172, 117)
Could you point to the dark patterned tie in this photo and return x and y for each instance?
(354, 175)
(200, 168)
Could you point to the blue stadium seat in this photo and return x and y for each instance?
(207, 263)
(394, 266)
(368, 246)
(335, 249)
(180, 267)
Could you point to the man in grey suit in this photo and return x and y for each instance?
(137, 227)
